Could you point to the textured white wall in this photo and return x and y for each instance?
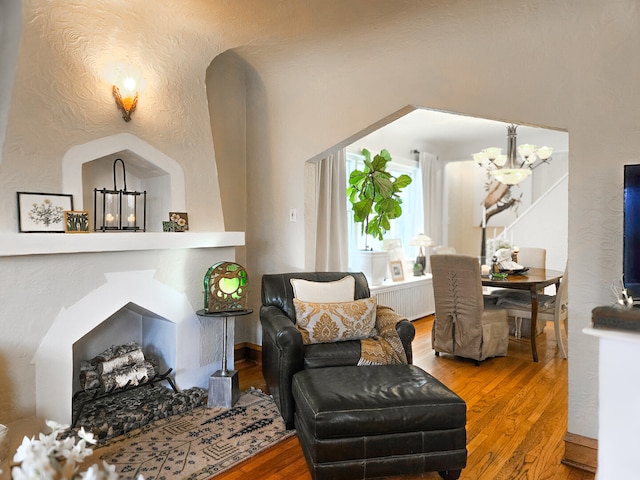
(464, 233)
(570, 65)
(62, 95)
(10, 27)
(227, 96)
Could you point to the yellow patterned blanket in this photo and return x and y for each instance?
(386, 347)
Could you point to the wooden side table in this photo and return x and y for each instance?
(223, 384)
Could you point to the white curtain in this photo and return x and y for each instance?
(328, 245)
(433, 190)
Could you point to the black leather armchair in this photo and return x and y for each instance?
(284, 354)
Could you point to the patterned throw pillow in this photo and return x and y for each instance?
(335, 322)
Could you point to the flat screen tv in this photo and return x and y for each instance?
(631, 249)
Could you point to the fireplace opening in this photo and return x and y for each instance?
(130, 324)
(130, 306)
(122, 374)
(122, 390)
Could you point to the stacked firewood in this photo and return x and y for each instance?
(117, 367)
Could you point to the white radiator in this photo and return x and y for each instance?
(411, 298)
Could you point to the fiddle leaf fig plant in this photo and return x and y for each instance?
(374, 194)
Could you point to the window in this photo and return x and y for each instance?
(410, 222)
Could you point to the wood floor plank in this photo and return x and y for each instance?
(516, 414)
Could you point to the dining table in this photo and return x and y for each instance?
(533, 280)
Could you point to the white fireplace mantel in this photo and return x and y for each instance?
(17, 244)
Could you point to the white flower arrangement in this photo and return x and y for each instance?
(51, 459)
(495, 244)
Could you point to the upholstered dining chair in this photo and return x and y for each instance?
(550, 308)
(285, 352)
(465, 324)
(532, 257)
(442, 250)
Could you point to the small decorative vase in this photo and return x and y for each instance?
(420, 265)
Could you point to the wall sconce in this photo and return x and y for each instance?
(128, 99)
(120, 209)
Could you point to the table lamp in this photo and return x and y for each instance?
(423, 242)
(226, 288)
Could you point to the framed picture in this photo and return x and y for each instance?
(76, 221)
(181, 219)
(43, 212)
(397, 272)
(169, 226)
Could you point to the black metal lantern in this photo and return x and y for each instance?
(119, 209)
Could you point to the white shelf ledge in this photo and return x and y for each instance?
(17, 244)
(628, 336)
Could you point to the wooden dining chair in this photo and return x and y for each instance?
(532, 257)
(550, 308)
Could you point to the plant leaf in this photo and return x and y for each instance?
(384, 153)
(356, 177)
(379, 163)
(397, 211)
(374, 230)
(362, 209)
(387, 205)
(384, 223)
(383, 184)
(351, 193)
(401, 182)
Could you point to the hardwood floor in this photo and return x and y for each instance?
(516, 414)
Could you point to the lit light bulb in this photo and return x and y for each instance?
(129, 86)
(525, 150)
(545, 152)
(481, 158)
(511, 176)
(492, 152)
(500, 160)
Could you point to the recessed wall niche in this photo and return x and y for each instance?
(90, 165)
(141, 175)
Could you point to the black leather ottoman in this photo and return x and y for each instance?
(374, 421)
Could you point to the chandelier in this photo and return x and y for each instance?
(508, 169)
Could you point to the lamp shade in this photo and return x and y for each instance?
(525, 150)
(225, 288)
(545, 152)
(421, 241)
(492, 152)
(511, 176)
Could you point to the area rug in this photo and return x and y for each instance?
(198, 444)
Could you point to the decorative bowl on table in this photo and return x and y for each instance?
(520, 271)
